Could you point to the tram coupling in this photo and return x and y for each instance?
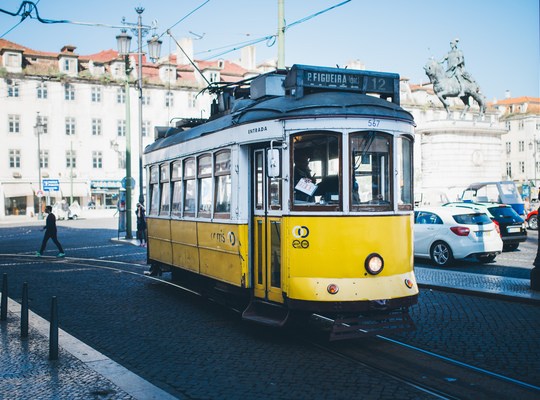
(367, 325)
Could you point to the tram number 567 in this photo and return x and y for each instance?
(373, 123)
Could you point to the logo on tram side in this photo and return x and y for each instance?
(257, 129)
(300, 233)
(220, 237)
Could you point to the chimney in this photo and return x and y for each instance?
(187, 46)
(507, 94)
(247, 57)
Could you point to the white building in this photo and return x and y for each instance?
(81, 102)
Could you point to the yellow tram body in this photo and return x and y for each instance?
(230, 206)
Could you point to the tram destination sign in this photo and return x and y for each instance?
(304, 79)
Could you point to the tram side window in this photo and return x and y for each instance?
(316, 166)
(259, 190)
(204, 177)
(154, 190)
(164, 182)
(189, 187)
(222, 173)
(176, 172)
(405, 173)
(370, 161)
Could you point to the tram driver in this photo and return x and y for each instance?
(304, 182)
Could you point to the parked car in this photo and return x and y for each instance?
(62, 211)
(444, 234)
(510, 224)
(532, 220)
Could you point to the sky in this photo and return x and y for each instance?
(499, 39)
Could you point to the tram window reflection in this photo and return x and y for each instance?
(316, 177)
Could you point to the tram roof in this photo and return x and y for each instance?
(319, 104)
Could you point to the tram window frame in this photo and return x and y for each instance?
(371, 158)
(176, 187)
(165, 190)
(154, 190)
(324, 170)
(222, 184)
(189, 187)
(405, 172)
(258, 178)
(204, 185)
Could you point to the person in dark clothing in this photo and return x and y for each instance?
(141, 224)
(50, 233)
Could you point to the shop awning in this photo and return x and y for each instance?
(17, 189)
(79, 189)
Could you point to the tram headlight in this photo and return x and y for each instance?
(374, 264)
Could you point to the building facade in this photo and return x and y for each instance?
(66, 118)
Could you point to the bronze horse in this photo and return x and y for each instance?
(445, 86)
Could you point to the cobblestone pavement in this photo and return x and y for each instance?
(192, 348)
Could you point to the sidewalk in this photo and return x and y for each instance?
(82, 372)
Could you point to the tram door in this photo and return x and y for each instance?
(267, 204)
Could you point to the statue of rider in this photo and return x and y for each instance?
(455, 66)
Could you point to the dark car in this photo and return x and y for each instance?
(510, 224)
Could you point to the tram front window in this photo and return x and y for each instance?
(370, 162)
(316, 176)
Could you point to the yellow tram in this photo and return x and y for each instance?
(297, 195)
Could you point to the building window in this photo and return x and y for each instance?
(169, 99)
(521, 125)
(508, 147)
(508, 125)
(146, 100)
(70, 126)
(14, 123)
(44, 159)
(521, 146)
(45, 123)
(122, 160)
(42, 90)
(121, 95)
(13, 88)
(509, 169)
(96, 95)
(71, 159)
(69, 92)
(192, 100)
(522, 167)
(146, 128)
(121, 127)
(97, 159)
(96, 126)
(14, 158)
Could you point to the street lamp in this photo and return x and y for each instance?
(39, 127)
(154, 48)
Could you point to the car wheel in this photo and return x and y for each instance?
(441, 254)
(533, 222)
(510, 247)
(486, 259)
(75, 216)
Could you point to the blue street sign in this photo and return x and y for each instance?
(51, 185)
(124, 182)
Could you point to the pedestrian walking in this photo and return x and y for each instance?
(50, 233)
(141, 224)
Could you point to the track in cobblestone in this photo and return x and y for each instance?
(427, 371)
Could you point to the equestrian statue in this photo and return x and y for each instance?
(455, 81)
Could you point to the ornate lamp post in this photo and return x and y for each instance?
(154, 48)
(39, 127)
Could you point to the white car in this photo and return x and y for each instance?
(444, 234)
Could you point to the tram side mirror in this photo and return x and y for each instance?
(273, 160)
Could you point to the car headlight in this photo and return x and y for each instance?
(374, 264)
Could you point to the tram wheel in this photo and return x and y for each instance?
(441, 254)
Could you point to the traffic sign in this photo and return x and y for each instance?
(51, 185)
(40, 193)
(124, 181)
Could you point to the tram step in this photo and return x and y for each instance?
(349, 328)
(266, 313)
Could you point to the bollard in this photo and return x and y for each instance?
(53, 332)
(3, 305)
(24, 311)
